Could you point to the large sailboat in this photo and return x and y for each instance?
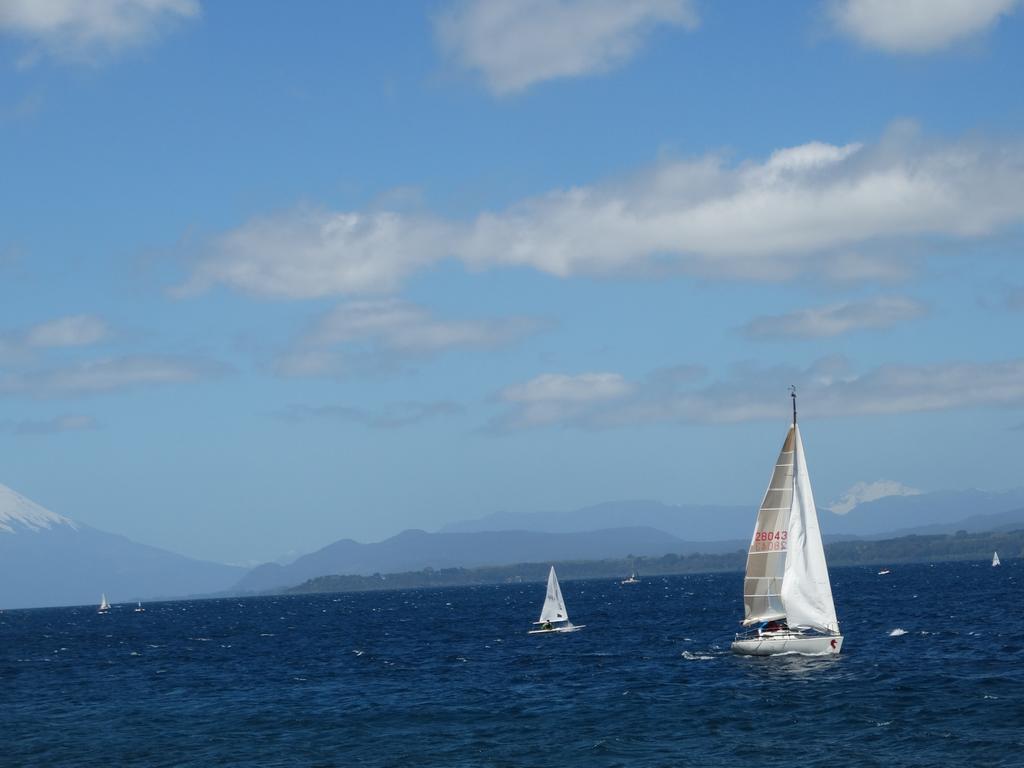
(553, 616)
(787, 597)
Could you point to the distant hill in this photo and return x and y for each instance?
(937, 512)
(47, 559)
(415, 550)
(1011, 520)
(690, 522)
(928, 549)
(906, 549)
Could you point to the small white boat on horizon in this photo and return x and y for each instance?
(787, 597)
(995, 559)
(138, 607)
(104, 605)
(554, 618)
(884, 572)
(633, 579)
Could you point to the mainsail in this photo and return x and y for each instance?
(995, 559)
(806, 591)
(554, 605)
(766, 558)
(787, 577)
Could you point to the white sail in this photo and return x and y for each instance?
(766, 557)
(104, 605)
(806, 590)
(995, 559)
(554, 605)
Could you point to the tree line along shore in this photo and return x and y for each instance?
(905, 549)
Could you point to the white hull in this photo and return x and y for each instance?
(782, 642)
(557, 630)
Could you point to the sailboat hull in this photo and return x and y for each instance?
(780, 643)
(557, 630)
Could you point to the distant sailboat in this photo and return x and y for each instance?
(104, 605)
(553, 616)
(995, 559)
(633, 579)
(138, 607)
(787, 597)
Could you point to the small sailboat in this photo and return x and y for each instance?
(995, 559)
(553, 616)
(138, 607)
(633, 579)
(104, 605)
(787, 597)
(884, 572)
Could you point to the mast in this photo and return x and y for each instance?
(792, 394)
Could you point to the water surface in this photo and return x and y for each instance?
(449, 677)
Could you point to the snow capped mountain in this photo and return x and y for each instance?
(16, 511)
(48, 559)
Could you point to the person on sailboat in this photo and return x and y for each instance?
(547, 625)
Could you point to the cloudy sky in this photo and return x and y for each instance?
(276, 274)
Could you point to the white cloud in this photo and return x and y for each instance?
(514, 45)
(862, 492)
(763, 221)
(312, 253)
(71, 331)
(106, 375)
(562, 388)
(18, 348)
(839, 211)
(391, 416)
(836, 319)
(916, 26)
(84, 28)
(65, 423)
(559, 398)
(376, 334)
(827, 389)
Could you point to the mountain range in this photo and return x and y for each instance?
(416, 550)
(936, 512)
(48, 559)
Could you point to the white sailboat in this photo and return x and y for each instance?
(553, 616)
(787, 597)
(138, 607)
(995, 559)
(104, 605)
(633, 579)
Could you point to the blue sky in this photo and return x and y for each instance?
(276, 275)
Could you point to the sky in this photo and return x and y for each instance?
(275, 274)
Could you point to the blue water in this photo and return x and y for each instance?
(448, 677)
